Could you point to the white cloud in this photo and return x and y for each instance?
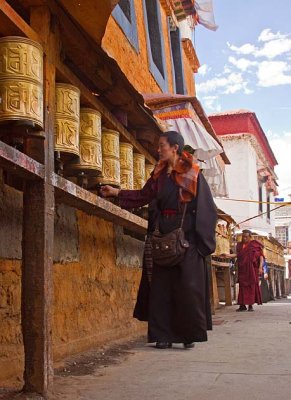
(281, 146)
(274, 73)
(211, 103)
(242, 63)
(274, 48)
(230, 84)
(272, 45)
(244, 49)
(267, 35)
(227, 69)
(204, 69)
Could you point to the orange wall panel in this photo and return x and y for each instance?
(136, 65)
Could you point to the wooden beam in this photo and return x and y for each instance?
(109, 118)
(38, 235)
(19, 163)
(73, 195)
(17, 24)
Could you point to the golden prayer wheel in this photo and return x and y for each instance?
(110, 155)
(67, 119)
(148, 170)
(138, 171)
(126, 166)
(21, 81)
(90, 159)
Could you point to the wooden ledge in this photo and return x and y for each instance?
(19, 163)
(73, 195)
(67, 192)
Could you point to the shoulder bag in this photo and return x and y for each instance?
(168, 249)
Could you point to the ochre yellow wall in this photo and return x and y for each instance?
(136, 65)
(93, 299)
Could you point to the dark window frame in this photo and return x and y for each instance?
(177, 60)
(260, 197)
(129, 28)
(268, 207)
(161, 78)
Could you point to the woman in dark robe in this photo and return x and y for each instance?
(175, 300)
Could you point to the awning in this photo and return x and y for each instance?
(266, 177)
(214, 172)
(178, 112)
(159, 101)
(183, 119)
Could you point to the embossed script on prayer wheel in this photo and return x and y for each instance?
(138, 171)
(148, 170)
(90, 159)
(110, 155)
(21, 81)
(126, 166)
(67, 119)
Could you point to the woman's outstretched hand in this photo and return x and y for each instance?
(109, 191)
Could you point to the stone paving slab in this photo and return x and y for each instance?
(248, 356)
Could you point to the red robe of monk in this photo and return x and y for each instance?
(248, 258)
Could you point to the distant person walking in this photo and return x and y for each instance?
(250, 261)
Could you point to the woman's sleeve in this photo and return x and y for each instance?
(206, 218)
(137, 198)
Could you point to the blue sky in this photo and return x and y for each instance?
(246, 64)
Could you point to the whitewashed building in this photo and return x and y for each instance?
(250, 176)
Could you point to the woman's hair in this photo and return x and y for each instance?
(173, 138)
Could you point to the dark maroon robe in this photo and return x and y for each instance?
(176, 302)
(248, 259)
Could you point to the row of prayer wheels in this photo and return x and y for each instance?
(100, 154)
(83, 145)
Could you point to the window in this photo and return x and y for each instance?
(260, 198)
(155, 44)
(268, 208)
(124, 14)
(177, 60)
(282, 234)
(125, 6)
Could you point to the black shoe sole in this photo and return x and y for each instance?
(189, 345)
(164, 346)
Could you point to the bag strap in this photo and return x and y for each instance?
(183, 216)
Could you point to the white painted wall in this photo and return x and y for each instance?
(242, 182)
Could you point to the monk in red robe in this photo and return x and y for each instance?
(250, 261)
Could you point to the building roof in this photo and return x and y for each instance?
(239, 122)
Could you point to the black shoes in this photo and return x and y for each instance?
(163, 345)
(241, 309)
(244, 308)
(189, 345)
(167, 345)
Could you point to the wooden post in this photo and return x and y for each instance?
(210, 275)
(227, 287)
(215, 288)
(38, 233)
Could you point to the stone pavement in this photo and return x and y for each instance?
(248, 356)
